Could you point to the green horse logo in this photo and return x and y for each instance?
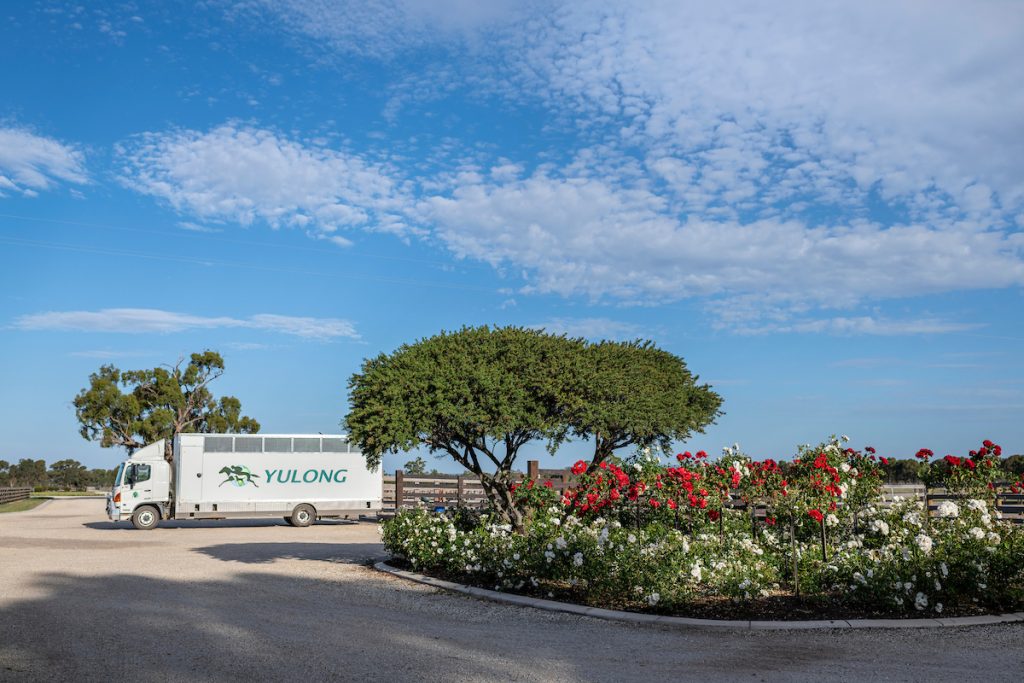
(239, 475)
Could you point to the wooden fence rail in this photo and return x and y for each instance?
(9, 495)
(449, 490)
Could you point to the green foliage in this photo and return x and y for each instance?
(481, 393)
(894, 565)
(904, 470)
(635, 394)
(63, 474)
(26, 472)
(1014, 465)
(477, 395)
(417, 466)
(68, 474)
(157, 403)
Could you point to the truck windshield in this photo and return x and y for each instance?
(117, 477)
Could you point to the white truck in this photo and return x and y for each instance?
(301, 477)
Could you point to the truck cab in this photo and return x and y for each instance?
(142, 488)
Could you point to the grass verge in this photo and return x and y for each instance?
(68, 494)
(22, 505)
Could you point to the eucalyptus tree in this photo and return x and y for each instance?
(132, 408)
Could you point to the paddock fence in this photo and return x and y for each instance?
(9, 495)
(444, 491)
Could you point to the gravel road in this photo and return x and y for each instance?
(83, 599)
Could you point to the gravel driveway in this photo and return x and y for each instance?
(84, 599)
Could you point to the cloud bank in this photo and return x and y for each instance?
(779, 162)
(140, 320)
(30, 163)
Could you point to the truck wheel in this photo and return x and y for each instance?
(145, 517)
(303, 515)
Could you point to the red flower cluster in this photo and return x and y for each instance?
(960, 462)
(816, 515)
(820, 483)
(686, 455)
(683, 486)
(601, 488)
(923, 454)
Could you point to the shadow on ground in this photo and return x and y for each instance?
(264, 553)
(213, 523)
(351, 624)
(251, 627)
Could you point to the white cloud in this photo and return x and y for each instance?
(593, 328)
(140, 320)
(778, 160)
(862, 325)
(244, 174)
(581, 235)
(32, 163)
(794, 100)
(384, 28)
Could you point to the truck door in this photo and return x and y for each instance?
(140, 477)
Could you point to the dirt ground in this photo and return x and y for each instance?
(84, 599)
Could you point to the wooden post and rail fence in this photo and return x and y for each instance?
(9, 495)
(444, 491)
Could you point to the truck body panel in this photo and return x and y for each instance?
(232, 475)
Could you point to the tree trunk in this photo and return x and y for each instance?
(499, 494)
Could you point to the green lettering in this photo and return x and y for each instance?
(305, 476)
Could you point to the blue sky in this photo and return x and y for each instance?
(820, 208)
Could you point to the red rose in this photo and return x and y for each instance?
(713, 515)
(548, 485)
(815, 515)
(579, 468)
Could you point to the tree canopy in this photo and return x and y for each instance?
(158, 403)
(480, 394)
(636, 394)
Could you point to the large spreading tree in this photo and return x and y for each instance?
(132, 408)
(635, 394)
(480, 394)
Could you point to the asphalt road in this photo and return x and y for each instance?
(83, 599)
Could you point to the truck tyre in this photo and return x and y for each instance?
(145, 517)
(303, 515)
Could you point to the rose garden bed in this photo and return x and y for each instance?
(643, 536)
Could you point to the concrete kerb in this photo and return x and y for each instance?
(686, 622)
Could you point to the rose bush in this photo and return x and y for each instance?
(639, 534)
